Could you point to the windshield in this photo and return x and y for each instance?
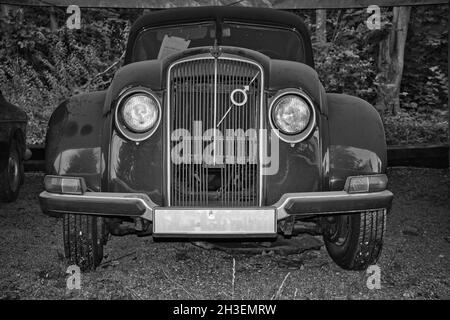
(277, 43)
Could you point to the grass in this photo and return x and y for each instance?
(413, 265)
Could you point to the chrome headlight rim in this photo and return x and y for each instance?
(304, 134)
(120, 123)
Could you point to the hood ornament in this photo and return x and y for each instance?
(216, 50)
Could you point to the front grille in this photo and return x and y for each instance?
(198, 99)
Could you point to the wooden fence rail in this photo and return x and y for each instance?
(277, 4)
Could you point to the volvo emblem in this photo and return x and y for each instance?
(239, 96)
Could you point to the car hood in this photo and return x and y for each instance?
(279, 74)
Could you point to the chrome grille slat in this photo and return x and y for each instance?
(199, 90)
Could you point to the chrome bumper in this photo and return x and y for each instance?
(140, 205)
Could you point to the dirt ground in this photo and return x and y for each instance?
(415, 262)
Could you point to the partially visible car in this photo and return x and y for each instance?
(13, 151)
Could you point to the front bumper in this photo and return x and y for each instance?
(261, 221)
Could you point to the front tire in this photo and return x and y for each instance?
(355, 241)
(84, 237)
(11, 175)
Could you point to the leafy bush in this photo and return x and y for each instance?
(416, 128)
(40, 68)
(347, 64)
(342, 69)
(425, 78)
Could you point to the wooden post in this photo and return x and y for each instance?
(53, 21)
(321, 25)
(4, 11)
(4, 19)
(390, 61)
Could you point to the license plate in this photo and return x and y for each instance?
(214, 222)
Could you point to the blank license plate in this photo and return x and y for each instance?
(182, 221)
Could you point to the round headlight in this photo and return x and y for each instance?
(291, 114)
(140, 112)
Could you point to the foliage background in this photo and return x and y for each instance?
(39, 67)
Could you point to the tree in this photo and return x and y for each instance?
(53, 21)
(321, 23)
(390, 61)
(4, 11)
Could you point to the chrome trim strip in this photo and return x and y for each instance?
(215, 110)
(261, 145)
(261, 123)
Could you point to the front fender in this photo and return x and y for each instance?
(357, 141)
(290, 74)
(74, 139)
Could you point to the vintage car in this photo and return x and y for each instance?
(217, 127)
(13, 151)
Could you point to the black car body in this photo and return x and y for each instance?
(13, 151)
(227, 68)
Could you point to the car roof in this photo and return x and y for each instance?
(218, 13)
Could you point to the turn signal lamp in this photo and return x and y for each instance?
(64, 185)
(360, 184)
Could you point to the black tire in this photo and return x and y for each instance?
(22, 173)
(84, 237)
(355, 241)
(11, 175)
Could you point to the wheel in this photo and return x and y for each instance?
(354, 241)
(84, 238)
(22, 173)
(11, 175)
